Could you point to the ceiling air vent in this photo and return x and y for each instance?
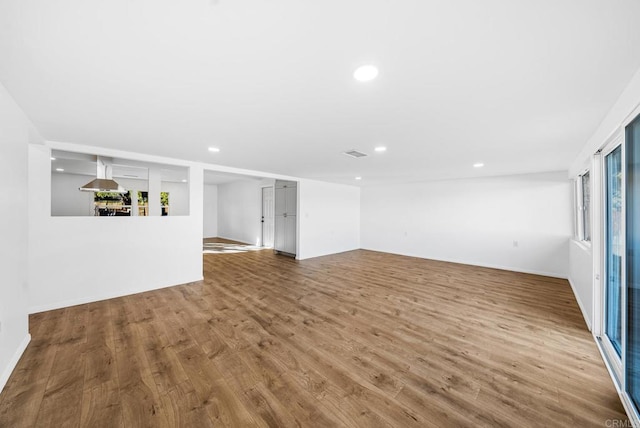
(354, 154)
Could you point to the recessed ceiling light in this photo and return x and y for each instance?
(52, 158)
(478, 165)
(380, 149)
(60, 169)
(365, 73)
(358, 178)
(214, 149)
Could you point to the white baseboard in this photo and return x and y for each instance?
(91, 299)
(322, 254)
(629, 408)
(14, 361)
(234, 239)
(492, 266)
(473, 263)
(580, 305)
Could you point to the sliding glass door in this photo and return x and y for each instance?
(632, 363)
(617, 246)
(613, 249)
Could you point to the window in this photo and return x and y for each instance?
(112, 204)
(584, 207)
(164, 203)
(632, 368)
(577, 209)
(143, 203)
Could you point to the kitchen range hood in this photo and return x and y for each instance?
(103, 181)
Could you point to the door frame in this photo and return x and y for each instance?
(616, 363)
(620, 381)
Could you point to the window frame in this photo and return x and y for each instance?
(614, 360)
(582, 211)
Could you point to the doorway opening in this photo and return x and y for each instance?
(238, 213)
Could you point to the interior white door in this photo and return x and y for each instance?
(267, 216)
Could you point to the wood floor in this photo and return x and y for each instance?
(357, 339)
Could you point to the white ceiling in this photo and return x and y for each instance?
(518, 85)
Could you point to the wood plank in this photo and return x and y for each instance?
(26, 386)
(355, 339)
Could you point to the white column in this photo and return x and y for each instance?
(155, 178)
(196, 193)
(134, 201)
(196, 206)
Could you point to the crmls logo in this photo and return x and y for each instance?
(618, 423)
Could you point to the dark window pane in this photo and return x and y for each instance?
(633, 259)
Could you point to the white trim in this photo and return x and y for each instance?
(607, 364)
(581, 208)
(630, 409)
(580, 305)
(13, 362)
(582, 245)
(273, 222)
(597, 238)
(623, 396)
(574, 208)
(587, 244)
(613, 141)
(106, 296)
(470, 263)
(600, 256)
(233, 239)
(334, 253)
(630, 118)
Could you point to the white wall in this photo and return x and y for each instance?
(475, 221)
(626, 103)
(328, 218)
(74, 260)
(178, 197)
(580, 274)
(66, 199)
(14, 137)
(210, 218)
(239, 211)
